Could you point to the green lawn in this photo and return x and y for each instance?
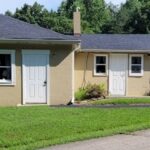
(34, 127)
(122, 101)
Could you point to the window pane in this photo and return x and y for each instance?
(5, 73)
(100, 69)
(136, 69)
(100, 60)
(136, 60)
(5, 60)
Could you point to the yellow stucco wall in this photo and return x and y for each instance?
(84, 74)
(60, 91)
(61, 76)
(140, 86)
(84, 64)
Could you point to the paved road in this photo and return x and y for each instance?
(134, 141)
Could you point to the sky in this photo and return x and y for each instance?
(49, 4)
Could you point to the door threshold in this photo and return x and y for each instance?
(117, 96)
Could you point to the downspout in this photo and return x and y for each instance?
(73, 71)
(85, 69)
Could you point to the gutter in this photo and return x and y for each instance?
(37, 41)
(114, 51)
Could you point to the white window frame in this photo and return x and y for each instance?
(100, 74)
(142, 65)
(13, 68)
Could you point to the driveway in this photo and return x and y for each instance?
(133, 141)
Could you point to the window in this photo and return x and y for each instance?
(136, 65)
(7, 67)
(100, 65)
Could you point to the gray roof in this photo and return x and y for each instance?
(11, 28)
(116, 42)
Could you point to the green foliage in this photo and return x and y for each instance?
(80, 94)
(30, 14)
(126, 101)
(91, 91)
(95, 91)
(96, 16)
(132, 17)
(140, 21)
(120, 18)
(94, 13)
(28, 128)
(37, 14)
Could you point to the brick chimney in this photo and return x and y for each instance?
(77, 22)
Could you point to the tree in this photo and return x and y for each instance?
(94, 13)
(30, 14)
(8, 13)
(140, 21)
(121, 18)
(37, 14)
(96, 17)
(110, 25)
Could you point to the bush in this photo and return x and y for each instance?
(91, 91)
(80, 94)
(95, 91)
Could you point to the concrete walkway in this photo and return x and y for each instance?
(134, 141)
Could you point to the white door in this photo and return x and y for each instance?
(118, 74)
(35, 76)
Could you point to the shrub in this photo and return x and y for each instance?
(91, 91)
(95, 91)
(80, 94)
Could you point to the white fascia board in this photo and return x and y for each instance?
(114, 51)
(37, 41)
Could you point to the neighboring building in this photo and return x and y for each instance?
(120, 61)
(36, 64)
(40, 66)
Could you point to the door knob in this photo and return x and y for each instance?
(45, 83)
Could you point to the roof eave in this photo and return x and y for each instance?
(114, 51)
(37, 41)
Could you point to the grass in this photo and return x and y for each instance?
(28, 128)
(122, 101)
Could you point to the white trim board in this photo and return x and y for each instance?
(101, 74)
(142, 65)
(13, 67)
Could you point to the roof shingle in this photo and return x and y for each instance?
(11, 28)
(115, 42)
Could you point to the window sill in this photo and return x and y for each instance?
(100, 75)
(6, 83)
(136, 75)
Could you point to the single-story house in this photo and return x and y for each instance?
(40, 66)
(121, 62)
(36, 64)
